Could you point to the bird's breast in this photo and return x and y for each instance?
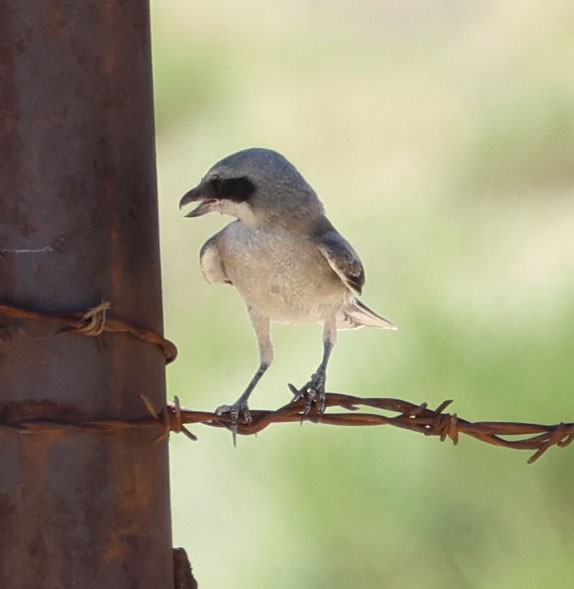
(284, 276)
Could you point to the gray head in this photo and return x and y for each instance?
(255, 185)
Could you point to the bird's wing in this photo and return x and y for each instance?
(211, 263)
(343, 259)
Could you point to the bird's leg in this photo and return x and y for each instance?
(241, 407)
(314, 390)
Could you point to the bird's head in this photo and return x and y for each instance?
(255, 185)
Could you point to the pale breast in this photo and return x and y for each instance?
(282, 275)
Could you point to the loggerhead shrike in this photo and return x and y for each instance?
(282, 255)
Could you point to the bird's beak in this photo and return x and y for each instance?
(197, 194)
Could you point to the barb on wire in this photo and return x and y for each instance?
(405, 415)
(93, 323)
(95, 320)
(171, 418)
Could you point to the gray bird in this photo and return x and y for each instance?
(282, 255)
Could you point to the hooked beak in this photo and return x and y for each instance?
(206, 203)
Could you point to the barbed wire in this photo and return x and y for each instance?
(92, 322)
(172, 418)
(409, 416)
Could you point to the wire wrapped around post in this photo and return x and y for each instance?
(92, 322)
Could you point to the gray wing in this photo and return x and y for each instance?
(211, 264)
(343, 259)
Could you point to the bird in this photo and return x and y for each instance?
(283, 256)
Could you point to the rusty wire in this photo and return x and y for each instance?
(93, 323)
(417, 418)
(409, 416)
(172, 418)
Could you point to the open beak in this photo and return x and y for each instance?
(206, 203)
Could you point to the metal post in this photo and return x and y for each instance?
(78, 224)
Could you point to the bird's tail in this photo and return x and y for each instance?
(356, 314)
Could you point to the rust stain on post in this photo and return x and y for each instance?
(78, 225)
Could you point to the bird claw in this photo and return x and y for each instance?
(235, 410)
(314, 394)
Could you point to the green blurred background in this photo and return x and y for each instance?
(440, 136)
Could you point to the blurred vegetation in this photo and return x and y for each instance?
(440, 136)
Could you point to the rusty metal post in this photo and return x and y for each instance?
(78, 224)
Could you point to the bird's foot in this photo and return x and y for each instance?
(313, 392)
(239, 408)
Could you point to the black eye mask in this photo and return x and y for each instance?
(234, 189)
